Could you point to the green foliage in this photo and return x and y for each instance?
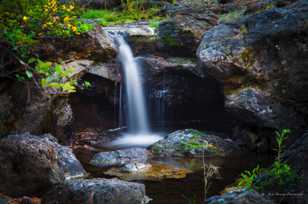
(247, 178)
(112, 17)
(279, 175)
(154, 23)
(280, 139)
(54, 78)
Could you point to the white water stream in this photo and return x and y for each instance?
(139, 133)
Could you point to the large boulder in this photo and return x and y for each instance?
(97, 191)
(240, 196)
(267, 49)
(194, 143)
(32, 164)
(256, 116)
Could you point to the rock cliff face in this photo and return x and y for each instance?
(269, 47)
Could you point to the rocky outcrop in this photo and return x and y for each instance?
(240, 196)
(268, 49)
(182, 32)
(97, 191)
(32, 164)
(94, 45)
(194, 143)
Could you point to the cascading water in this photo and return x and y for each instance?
(139, 133)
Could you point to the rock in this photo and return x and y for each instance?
(93, 45)
(32, 164)
(240, 196)
(255, 109)
(139, 29)
(120, 158)
(105, 70)
(149, 172)
(182, 32)
(296, 156)
(269, 47)
(192, 142)
(97, 191)
(178, 93)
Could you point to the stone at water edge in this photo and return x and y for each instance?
(120, 158)
(32, 164)
(240, 196)
(97, 191)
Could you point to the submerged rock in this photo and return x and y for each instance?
(97, 191)
(193, 143)
(240, 196)
(150, 172)
(32, 164)
(120, 158)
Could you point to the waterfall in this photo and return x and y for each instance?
(139, 133)
(137, 113)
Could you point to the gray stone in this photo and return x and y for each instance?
(97, 191)
(192, 142)
(120, 158)
(240, 196)
(31, 164)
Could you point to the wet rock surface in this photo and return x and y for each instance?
(240, 196)
(97, 191)
(177, 92)
(191, 142)
(120, 158)
(32, 164)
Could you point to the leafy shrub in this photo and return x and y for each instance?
(24, 22)
(54, 78)
(280, 175)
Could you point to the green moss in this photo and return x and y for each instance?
(232, 16)
(169, 40)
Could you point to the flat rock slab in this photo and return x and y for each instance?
(120, 157)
